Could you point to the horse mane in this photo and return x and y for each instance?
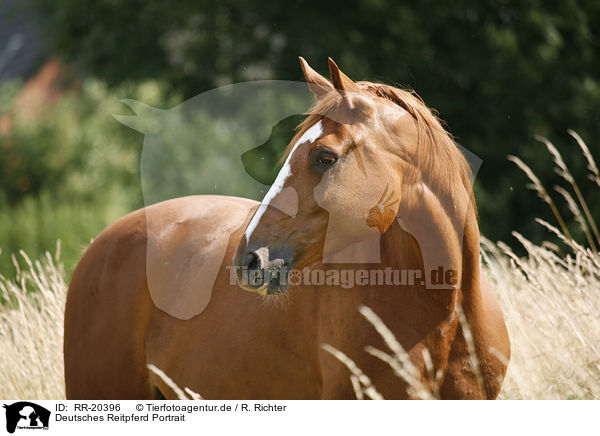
(438, 161)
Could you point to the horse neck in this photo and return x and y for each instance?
(444, 231)
(430, 232)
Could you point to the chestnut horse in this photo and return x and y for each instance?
(371, 181)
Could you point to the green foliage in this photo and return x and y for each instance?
(217, 142)
(499, 72)
(8, 92)
(69, 173)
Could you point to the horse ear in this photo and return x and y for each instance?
(317, 84)
(340, 81)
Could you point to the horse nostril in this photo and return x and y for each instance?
(253, 269)
(251, 261)
(263, 271)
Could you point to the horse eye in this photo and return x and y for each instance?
(327, 159)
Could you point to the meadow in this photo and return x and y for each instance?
(497, 72)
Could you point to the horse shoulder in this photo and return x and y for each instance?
(109, 306)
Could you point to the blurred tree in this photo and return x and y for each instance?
(498, 71)
(69, 172)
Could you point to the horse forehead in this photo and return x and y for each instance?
(382, 115)
(335, 132)
(331, 127)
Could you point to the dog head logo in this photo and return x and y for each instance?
(26, 415)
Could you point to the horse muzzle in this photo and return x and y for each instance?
(262, 270)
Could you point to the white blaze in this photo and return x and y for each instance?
(311, 136)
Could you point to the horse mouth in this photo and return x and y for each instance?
(271, 283)
(278, 283)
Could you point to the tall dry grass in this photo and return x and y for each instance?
(31, 330)
(550, 297)
(552, 308)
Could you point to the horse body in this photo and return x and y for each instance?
(240, 345)
(243, 346)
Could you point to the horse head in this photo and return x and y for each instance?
(357, 157)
